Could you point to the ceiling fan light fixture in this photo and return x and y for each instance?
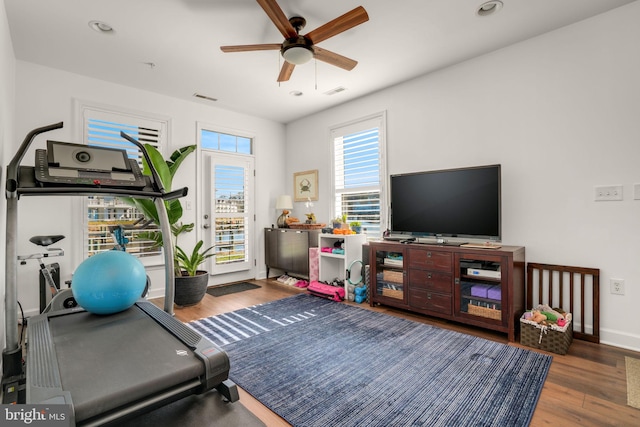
(297, 55)
(489, 8)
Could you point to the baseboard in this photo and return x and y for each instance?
(620, 339)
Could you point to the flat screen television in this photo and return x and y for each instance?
(458, 203)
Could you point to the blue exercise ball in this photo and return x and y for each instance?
(108, 282)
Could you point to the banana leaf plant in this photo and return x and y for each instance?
(166, 171)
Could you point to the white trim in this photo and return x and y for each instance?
(378, 120)
(203, 202)
(79, 131)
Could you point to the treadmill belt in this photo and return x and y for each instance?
(109, 361)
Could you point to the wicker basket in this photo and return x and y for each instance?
(545, 338)
(392, 293)
(489, 313)
(392, 276)
(303, 226)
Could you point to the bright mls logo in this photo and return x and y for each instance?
(36, 415)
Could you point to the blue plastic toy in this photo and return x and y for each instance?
(108, 282)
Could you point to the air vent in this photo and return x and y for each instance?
(208, 98)
(336, 90)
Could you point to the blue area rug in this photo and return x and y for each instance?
(319, 363)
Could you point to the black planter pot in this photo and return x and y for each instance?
(191, 289)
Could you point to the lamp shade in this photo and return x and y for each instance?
(284, 202)
(298, 55)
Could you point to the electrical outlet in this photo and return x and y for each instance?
(617, 286)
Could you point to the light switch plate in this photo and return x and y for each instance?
(608, 193)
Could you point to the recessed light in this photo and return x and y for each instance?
(489, 8)
(295, 93)
(100, 27)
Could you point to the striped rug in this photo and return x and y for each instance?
(319, 363)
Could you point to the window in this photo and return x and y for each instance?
(211, 140)
(104, 214)
(230, 219)
(359, 168)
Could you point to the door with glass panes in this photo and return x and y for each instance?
(228, 210)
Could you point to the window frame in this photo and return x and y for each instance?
(368, 122)
(84, 110)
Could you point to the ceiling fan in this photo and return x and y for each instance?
(298, 49)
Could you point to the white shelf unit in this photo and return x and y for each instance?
(332, 266)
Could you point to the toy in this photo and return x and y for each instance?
(538, 317)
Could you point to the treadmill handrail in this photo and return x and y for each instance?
(12, 169)
(154, 173)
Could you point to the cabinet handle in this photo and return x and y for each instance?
(428, 254)
(428, 275)
(429, 295)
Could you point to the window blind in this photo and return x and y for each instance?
(102, 129)
(358, 168)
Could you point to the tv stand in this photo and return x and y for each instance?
(474, 286)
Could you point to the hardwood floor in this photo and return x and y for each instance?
(585, 387)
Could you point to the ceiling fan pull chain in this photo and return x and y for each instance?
(315, 63)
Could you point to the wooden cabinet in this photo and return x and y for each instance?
(388, 275)
(481, 287)
(288, 249)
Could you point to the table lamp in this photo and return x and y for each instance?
(284, 203)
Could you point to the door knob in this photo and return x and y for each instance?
(206, 226)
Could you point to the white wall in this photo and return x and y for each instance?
(45, 96)
(7, 96)
(560, 113)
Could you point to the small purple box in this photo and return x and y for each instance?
(495, 292)
(479, 291)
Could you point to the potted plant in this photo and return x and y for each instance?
(191, 283)
(337, 222)
(356, 226)
(343, 220)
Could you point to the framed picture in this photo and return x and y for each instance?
(305, 186)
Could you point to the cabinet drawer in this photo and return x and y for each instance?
(430, 280)
(430, 260)
(426, 300)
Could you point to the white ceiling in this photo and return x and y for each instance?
(402, 40)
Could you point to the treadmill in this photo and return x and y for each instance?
(105, 368)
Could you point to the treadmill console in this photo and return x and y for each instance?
(63, 163)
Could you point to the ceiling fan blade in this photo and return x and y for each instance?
(342, 23)
(285, 72)
(333, 58)
(250, 47)
(278, 17)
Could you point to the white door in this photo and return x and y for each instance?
(228, 210)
